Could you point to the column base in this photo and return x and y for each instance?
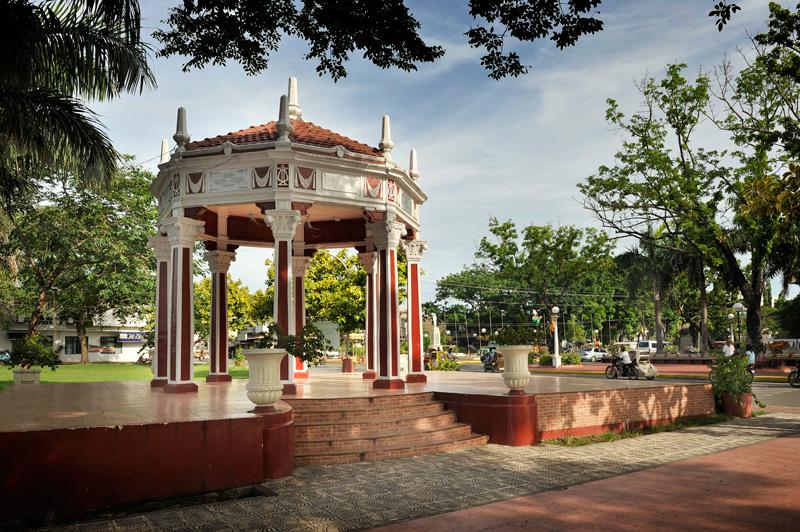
(416, 377)
(517, 392)
(289, 388)
(269, 409)
(347, 365)
(389, 384)
(301, 374)
(158, 383)
(369, 375)
(180, 387)
(218, 377)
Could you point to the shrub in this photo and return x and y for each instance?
(445, 364)
(309, 346)
(532, 356)
(730, 376)
(571, 358)
(546, 360)
(29, 351)
(238, 357)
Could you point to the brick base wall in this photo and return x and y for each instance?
(594, 412)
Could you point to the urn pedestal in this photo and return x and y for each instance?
(264, 387)
(26, 376)
(515, 373)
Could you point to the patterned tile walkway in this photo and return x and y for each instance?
(358, 496)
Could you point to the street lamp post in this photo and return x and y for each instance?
(595, 334)
(556, 354)
(480, 338)
(502, 318)
(730, 325)
(739, 308)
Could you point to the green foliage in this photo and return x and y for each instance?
(788, 318)
(514, 335)
(238, 357)
(29, 351)
(214, 31)
(309, 346)
(240, 306)
(546, 359)
(571, 358)
(57, 56)
(731, 377)
(446, 364)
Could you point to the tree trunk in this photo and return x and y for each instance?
(704, 337)
(80, 328)
(36, 315)
(753, 302)
(657, 311)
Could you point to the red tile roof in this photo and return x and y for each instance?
(304, 133)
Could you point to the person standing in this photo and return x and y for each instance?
(728, 349)
(751, 359)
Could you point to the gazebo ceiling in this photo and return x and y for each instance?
(303, 133)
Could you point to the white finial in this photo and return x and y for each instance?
(284, 126)
(164, 151)
(386, 145)
(294, 102)
(413, 171)
(181, 135)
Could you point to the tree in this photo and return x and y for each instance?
(336, 291)
(240, 306)
(56, 56)
(81, 252)
(662, 177)
(214, 31)
(123, 282)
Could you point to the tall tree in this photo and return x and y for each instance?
(662, 176)
(54, 57)
(120, 219)
(240, 306)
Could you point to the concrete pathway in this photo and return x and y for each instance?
(358, 496)
(749, 488)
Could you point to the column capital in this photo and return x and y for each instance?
(414, 249)
(300, 266)
(182, 231)
(367, 260)
(160, 245)
(387, 233)
(282, 223)
(219, 261)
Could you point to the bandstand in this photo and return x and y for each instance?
(296, 187)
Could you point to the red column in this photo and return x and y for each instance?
(368, 261)
(387, 235)
(182, 233)
(414, 250)
(283, 224)
(161, 248)
(299, 268)
(219, 262)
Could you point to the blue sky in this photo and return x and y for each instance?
(514, 148)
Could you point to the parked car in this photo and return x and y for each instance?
(593, 354)
(5, 357)
(648, 347)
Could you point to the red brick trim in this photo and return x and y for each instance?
(389, 384)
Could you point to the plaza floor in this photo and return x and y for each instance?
(359, 496)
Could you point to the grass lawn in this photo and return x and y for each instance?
(108, 372)
(577, 441)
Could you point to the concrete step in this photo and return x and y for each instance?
(392, 439)
(341, 430)
(359, 403)
(347, 457)
(385, 413)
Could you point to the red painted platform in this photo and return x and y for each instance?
(73, 447)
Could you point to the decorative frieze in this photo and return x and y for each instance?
(305, 178)
(282, 175)
(391, 191)
(372, 187)
(262, 177)
(341, 183)
(228, 180)
(195, 183)
(176, 185)
(160, 245)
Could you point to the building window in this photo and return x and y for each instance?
(108, 341)
(72, 345)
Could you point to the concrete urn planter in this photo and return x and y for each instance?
(264, 387)
(26, 376)
(732, 406)
(515, 372)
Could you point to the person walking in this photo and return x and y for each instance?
(751, 359)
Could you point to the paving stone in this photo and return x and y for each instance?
(357, 496)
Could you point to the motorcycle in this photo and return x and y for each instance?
(490, 362)
(617, 368)
(794, 376)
